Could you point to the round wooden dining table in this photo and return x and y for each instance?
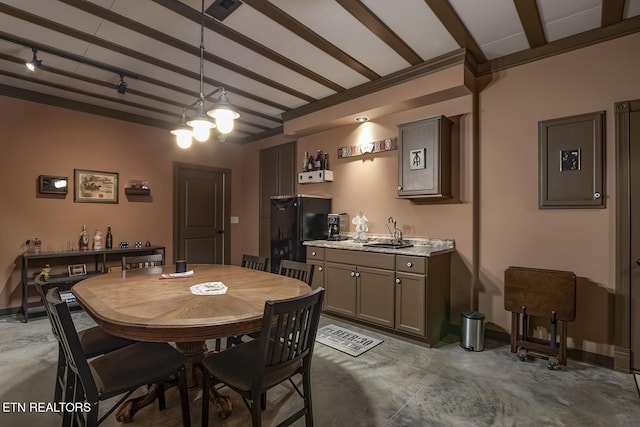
(142, 305)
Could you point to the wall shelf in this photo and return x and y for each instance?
(315, 177)
(135, 191)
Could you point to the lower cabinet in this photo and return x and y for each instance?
(410, 303)
(408, 294)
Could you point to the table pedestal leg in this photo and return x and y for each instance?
(194, 352)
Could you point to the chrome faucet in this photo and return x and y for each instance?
(396, 234)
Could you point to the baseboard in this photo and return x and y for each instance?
(572, 353)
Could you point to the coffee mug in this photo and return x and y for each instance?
(181, 266)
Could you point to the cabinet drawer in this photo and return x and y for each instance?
(314, 252)
(411, 264)
(359, 258)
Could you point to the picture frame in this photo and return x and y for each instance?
(417, 159)
(95, 186)
(48, 184)
(77, 270)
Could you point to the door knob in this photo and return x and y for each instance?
(398, 281)
(638, 261)
(353, 274)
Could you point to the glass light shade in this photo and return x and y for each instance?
(224, 120)
(183, 137)
(201, 131)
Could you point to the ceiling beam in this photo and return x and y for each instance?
(213, 25)
(293, 25)
(367, 18)
(180, 45)
(612, 12)
(54, 26)
(531, 23)
(452, 22)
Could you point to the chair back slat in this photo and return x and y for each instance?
(142, 261)
(288, 332)
(255, 262)
(67, 336)
(297, 270)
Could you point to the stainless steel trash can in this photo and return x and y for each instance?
(472, 330)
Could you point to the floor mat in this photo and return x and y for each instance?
(345, 340)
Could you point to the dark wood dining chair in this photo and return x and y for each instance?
(297, 270)
(255, 262)
(94, 342)
(142, 261)
(118, 373)
(284, 349)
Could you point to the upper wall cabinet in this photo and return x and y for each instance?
(424, 159)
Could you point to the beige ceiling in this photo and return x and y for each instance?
(277, 59)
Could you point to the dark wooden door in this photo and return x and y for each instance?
(634, 216)
(277, 177)
(201, 214)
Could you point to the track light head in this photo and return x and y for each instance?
(122, 86)
(35, 63)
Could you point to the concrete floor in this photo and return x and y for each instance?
(395, 384)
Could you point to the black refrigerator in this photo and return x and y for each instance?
(295, 219)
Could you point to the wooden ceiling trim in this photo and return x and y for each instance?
(567, 44)
(83, 107)
(16, 13)
(367, 18)
(143, 78)
(118, 98)
(279, 16)
(452, 22)
(179, 44)
(612, 12)
(440, 63)
(213, 25)
(260, 136)
(529, 15)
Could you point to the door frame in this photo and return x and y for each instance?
(622, 356)
(226, 209)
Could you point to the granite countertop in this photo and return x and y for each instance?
(421, 247)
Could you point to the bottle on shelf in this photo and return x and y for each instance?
(318, 161)
(310, 164)
(109, 239)
(83, 242)
(326, 161)
(305, 161)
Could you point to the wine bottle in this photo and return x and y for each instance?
(305, 161)
(109, 239)
(310, 164)
(318, 162)
(326, 161)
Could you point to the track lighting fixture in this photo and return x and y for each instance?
(199, 126)
(122, 86)
(35, 63)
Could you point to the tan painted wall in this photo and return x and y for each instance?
(43, 140)
(513, 231)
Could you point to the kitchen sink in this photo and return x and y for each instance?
(388, 245)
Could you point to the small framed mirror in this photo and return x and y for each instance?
(53, 184)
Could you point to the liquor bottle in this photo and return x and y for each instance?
(83, 242)
(326, 161)
(305, 161)
(310, 164)
(318, 162)
(109, 239)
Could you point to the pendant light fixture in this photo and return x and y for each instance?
(199, 126)
(35, 63)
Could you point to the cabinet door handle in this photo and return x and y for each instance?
(409, 264)
(398, 281)
(358, 274)
(596, 195)
(314, 253)
(319, 268)
(399, 187)
(353, 274)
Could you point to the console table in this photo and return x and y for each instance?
(60, 276)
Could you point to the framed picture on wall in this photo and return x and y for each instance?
(95, 186)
